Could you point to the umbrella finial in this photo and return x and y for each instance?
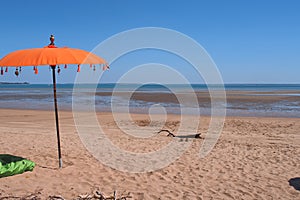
(52, 39)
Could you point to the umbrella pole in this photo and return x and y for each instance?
(56, 114)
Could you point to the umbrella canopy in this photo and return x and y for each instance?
(51, 55)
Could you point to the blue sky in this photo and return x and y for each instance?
(250, 41)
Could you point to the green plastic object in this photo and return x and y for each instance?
(11, 165)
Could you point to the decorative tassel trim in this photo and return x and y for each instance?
(17, 72)
(105, 67)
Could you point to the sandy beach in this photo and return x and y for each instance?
(150, 100)
(254, 158)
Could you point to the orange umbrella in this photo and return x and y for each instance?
(53, 56)
(50, 56)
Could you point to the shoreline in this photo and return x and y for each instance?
(279, 103)
(256, 100)
(145, 113)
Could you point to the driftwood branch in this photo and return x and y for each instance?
(170, 134)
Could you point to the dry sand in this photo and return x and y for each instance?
(254, 158)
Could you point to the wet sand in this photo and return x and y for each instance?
(238, 103)
(204, 97)
(254, 158)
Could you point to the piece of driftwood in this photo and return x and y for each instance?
(170, 134)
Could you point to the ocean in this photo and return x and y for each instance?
(266, 100)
